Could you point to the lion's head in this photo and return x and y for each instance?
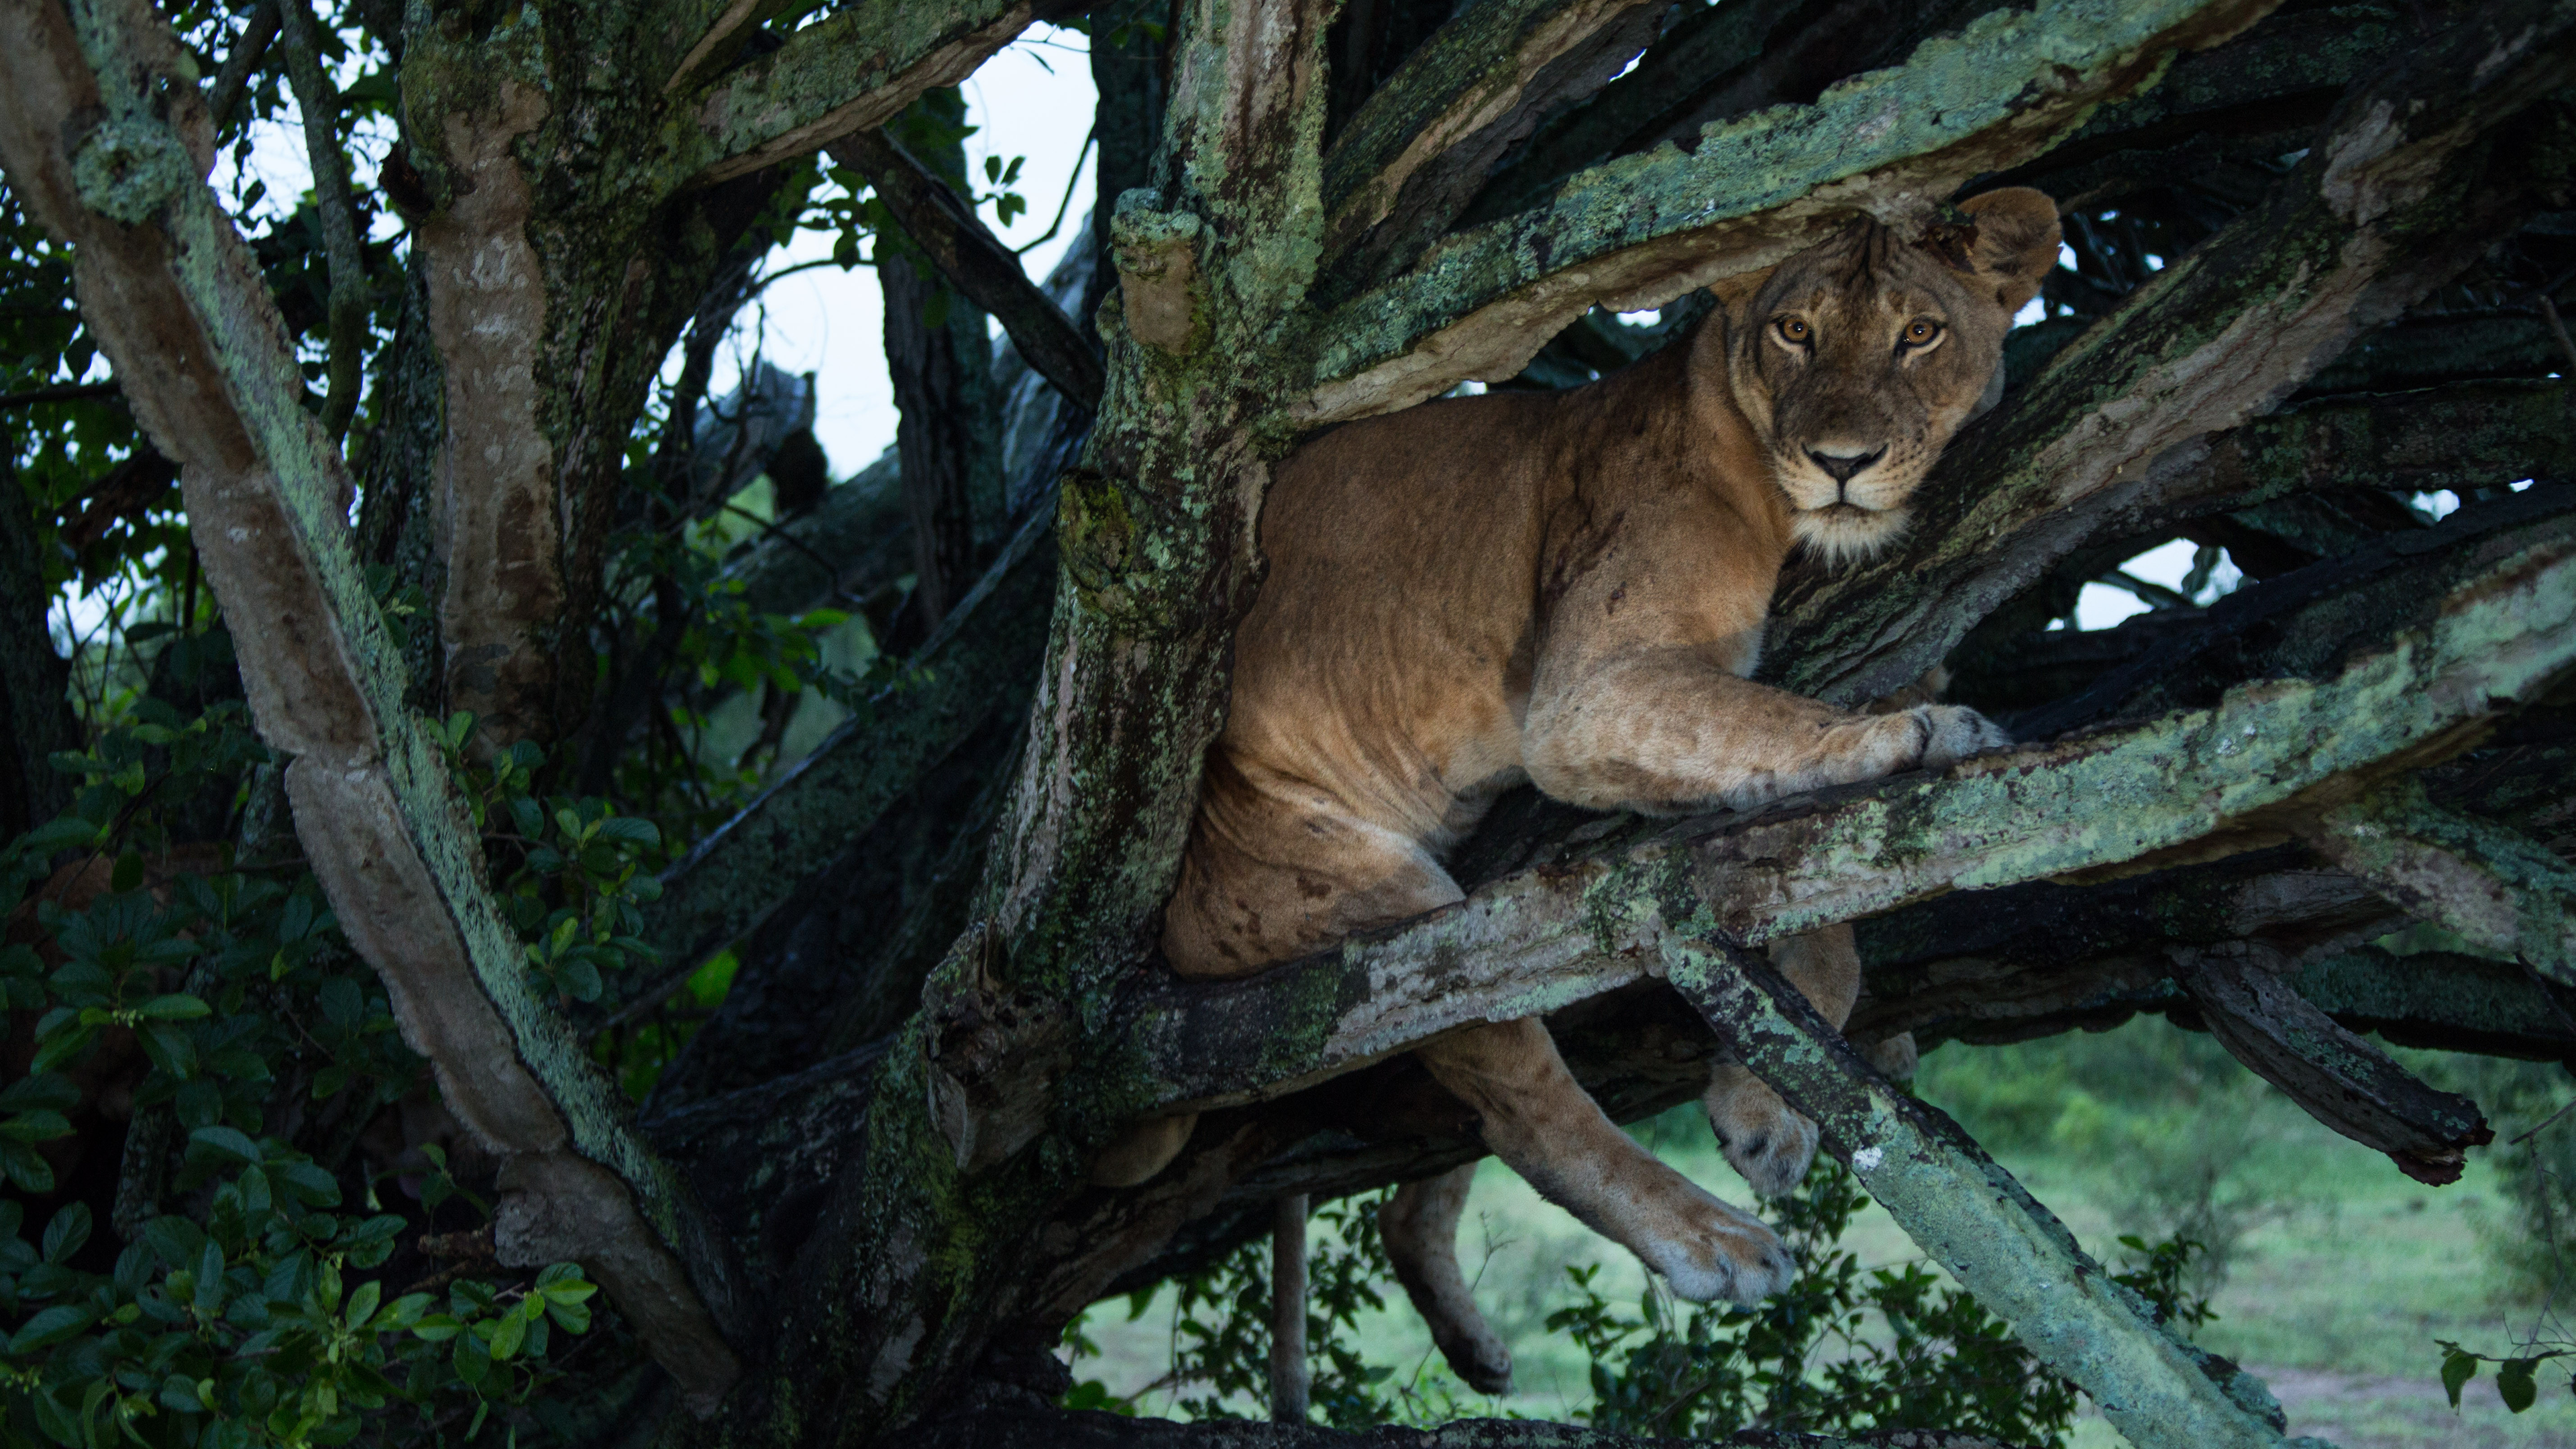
(1857, 358)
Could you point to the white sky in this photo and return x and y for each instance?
(1034, 99)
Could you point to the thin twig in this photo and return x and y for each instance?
(771, 529)
(2153, 594)
(1065, 205)
(67, 392)
(320, 103)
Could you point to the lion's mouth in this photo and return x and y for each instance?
(1843, 511)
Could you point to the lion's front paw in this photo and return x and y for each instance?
(1952, 732)
(1764, 1139)
(1721, 1253)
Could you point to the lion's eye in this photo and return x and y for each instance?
(1920, 332)
(1794, 329)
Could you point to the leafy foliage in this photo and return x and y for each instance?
(221, 992)
(1221, 1348)
(1841, 1350)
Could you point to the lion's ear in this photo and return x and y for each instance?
(2016, 241)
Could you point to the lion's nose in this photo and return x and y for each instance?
(1842, 467)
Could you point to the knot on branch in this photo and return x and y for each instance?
(128, 167)
(1125, 565)
(994, 1054)
(1157, 254)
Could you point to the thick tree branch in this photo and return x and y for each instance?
(853, 71)
(1958, 1205)
(2380, 212)
(2493, 885)
(2340, 1079)
(2257, 94)
(1423, 143)
(984, 271)
(180, 305)
(1642, 230)
(2202, 783)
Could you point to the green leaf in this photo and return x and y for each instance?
(2513, 1381)
(507, 1335)
(2457, 1369)
(579, 979)
(175, 1007)
(342, 1002)
(26, 1167)
(362, 1303)
(65, 1234)
(627, 830)
(226, 1141)
(66, 833)
(41, 1125)
(45, 1089)
(48, 1328)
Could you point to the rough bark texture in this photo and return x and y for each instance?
(1640, 231)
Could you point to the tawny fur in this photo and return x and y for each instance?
(1569, 589)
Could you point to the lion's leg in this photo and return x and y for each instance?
(1274, 869)
(1540, 1120)
(1420, 1226)
(1766, 1141)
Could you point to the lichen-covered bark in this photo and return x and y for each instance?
(1422, 145)
(1959, 1206)
(848, 72)
(2495, 886)
(2404, 189)
(1641, 230)
(1714, 68)
(100, 151)
(1030, 1427)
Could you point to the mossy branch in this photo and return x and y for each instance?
(1640, 230)
(849, 72)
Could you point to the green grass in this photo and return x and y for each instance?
(2341, 1275)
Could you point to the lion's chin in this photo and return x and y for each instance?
(1841, 533)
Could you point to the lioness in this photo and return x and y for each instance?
(1569, 588)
